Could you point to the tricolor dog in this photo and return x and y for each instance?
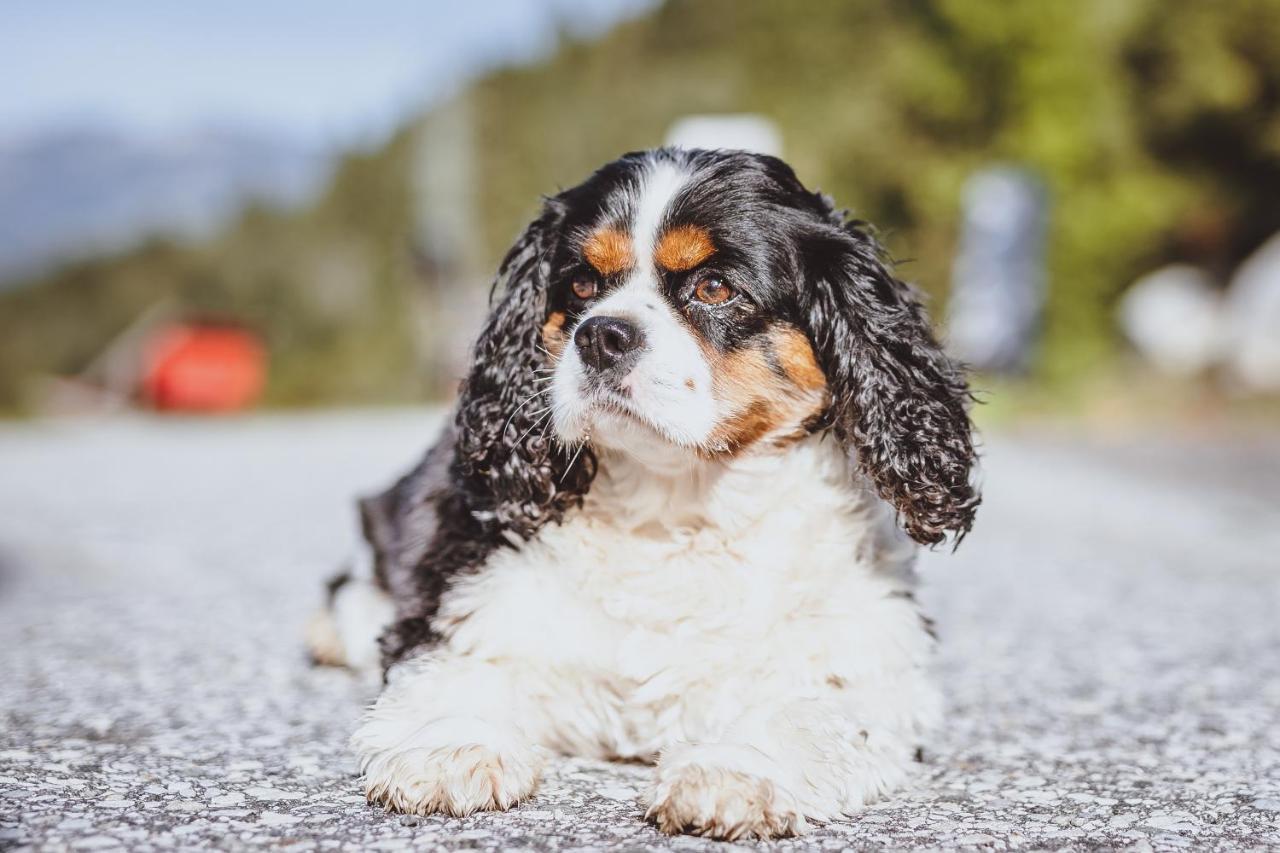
(671, 518)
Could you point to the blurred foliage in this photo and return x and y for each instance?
(1155, 124)
(324, 286)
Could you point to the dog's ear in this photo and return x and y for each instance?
(516, 476)
(899, 405)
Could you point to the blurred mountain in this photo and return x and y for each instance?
(71, 192)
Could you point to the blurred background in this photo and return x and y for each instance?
(295, 209)
(212, 207)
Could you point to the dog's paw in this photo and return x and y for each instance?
(324, 644)
(454, 780)
(722, 803)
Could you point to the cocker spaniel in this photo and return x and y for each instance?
(670, 519)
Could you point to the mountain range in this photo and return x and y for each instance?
(75, 191)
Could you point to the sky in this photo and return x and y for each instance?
(323, 70)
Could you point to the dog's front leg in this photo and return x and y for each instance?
(446, 736)
(776, 769)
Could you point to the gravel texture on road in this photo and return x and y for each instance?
(1110, 651)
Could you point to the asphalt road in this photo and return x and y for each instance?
(1111, 650)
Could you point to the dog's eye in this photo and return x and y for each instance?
(584, 288)
(712, 291)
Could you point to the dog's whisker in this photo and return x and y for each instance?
(526, 402)
(572, 460)
(547, 431)
(543, 416)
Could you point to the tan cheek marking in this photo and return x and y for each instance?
(683, 248)
(553, 333)
(745, 429)
(797, 359)
(609, 251)
(742, 375)
(744, 381)
(767, 404)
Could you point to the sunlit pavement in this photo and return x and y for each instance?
(1110, 648)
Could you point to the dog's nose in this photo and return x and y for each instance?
(603, 341)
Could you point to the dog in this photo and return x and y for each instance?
(673, 516)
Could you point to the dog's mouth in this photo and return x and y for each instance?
(618, 403)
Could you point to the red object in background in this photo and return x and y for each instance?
(203, 368)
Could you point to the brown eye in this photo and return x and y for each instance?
(713, 291)
(584, 288)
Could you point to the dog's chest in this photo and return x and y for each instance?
(651, 628)
(632, 601)
(662, 617)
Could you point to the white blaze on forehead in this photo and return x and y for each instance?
(635, 296)
(658, 190)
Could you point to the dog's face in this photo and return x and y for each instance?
(674, 328)
(687, 305)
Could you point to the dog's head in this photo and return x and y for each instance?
(684, 305)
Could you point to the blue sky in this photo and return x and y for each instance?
(318, 69)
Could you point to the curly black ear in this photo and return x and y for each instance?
(899, 405)
(515, 475)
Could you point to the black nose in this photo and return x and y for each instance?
(603, 341)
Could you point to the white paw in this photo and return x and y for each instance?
(323, 643)
(450, 780)
(722, 803)
(345, 633)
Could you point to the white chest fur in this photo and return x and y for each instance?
(663, 603)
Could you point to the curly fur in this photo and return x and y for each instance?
(506, 478)
(516, 477)
(899, 403)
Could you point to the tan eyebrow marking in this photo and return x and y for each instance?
(609, 251)
(683, 248)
